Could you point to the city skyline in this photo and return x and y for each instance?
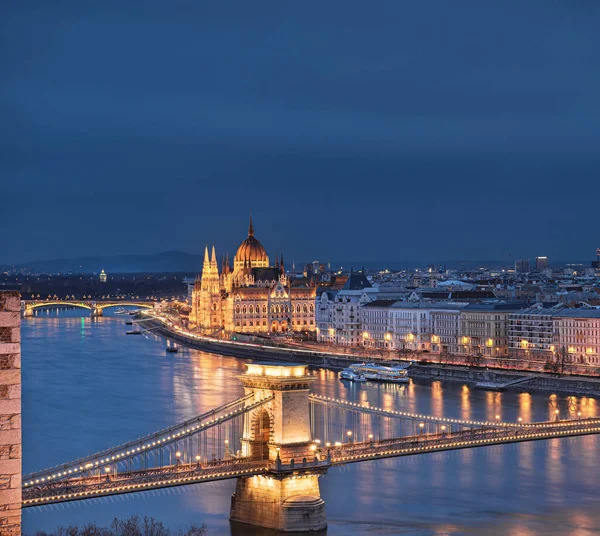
(350, 133)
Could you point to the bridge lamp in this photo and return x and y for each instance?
(107, 469)
(579, 414)
(520, 419)
(371, 436)
(313, 448)
(497, 417)
(421, 425)
(443, 427)
(318, 441)
(328, 444)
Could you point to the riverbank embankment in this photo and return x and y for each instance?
(567, 385)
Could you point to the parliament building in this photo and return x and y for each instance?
(251, 296)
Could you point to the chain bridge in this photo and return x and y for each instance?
(276, 440)
(96, 307)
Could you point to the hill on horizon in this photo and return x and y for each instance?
(180, 261)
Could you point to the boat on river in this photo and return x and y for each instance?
(382, 373)
(352, 376)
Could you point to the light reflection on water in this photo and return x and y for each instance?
(86, 386)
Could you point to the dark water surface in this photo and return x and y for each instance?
(87, 386)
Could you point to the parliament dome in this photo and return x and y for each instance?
(251, 249)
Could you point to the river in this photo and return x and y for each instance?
(87, 386)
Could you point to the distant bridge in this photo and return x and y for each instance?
(95, 306)
(276, 440)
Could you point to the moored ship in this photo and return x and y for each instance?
(381, 373)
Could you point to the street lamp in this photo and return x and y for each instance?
(178, 456)
(579, 414)
(556, 412)
(349, 434)
(198, 459)
(520, 419)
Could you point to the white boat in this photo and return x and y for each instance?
(382, 373)
(350, 375)
(120, 311)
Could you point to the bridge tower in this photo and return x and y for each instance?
(287, 498)
(96, 311)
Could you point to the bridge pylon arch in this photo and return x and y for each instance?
(279, 429)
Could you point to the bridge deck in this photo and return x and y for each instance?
(422, 444)
(128, 482)
(88, 487)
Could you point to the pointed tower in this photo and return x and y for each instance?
(210, 308)
(281, 268)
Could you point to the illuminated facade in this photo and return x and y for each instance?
(530, 334)
(543, 334)
(412, 326)
(484, 329)
(577, 332)
(339, 312)
(251, 296)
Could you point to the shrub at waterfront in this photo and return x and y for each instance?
(134, 526)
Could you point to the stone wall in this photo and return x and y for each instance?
(10, 413)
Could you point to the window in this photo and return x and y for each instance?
(237, 309)
(244, 309)
(251, 310)
(298, 308)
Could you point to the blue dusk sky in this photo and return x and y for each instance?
(352, 130)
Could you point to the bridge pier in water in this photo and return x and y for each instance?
(287, 498)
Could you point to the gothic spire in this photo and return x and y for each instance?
(213, 257)
(206, 254)
(250, 227)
